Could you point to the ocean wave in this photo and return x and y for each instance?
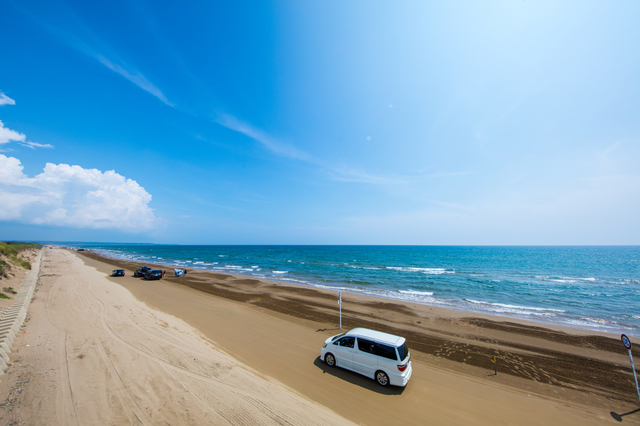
(417, 293)
(429, 271)
(279, 272)
(569, 280)
(600, 324)
(496, 307)
(332, 287)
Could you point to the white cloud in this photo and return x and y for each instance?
(5, 100)
(72, 196)
(8, 135)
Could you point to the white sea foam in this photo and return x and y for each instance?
(429, 271)
(279, 272)
(336, 288)
(416, 293)
(506, 308)
(569, 280)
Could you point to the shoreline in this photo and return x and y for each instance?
(97, 349)
(463, 311)
(458, 339)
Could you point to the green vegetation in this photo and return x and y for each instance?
(11, 250)
(21, 262)
(4, 296)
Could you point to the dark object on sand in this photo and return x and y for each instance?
(154, 274)
(118, 273)
(140, 272)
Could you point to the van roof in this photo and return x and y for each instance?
(381, 337)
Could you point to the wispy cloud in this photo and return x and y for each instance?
(87, 42)
(269, 143)
(5, 100)
(34, 145)
(133, 76)
(446, 174)
(346, 174)
(336, 172)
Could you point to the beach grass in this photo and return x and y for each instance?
(11, 251)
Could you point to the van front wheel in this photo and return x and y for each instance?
(382, 378)
(330, 360)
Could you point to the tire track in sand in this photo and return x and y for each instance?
(130, 407)
(233, 404)
(69, 412)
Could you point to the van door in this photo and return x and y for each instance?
(364, 359)
(344, 349)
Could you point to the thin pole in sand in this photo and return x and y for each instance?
(495, 365)
(340, 305)
(627, 344)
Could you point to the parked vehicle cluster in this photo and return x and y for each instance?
(147, 273)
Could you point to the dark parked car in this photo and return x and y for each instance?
(140, 272)
(154, 274)
(118, 273)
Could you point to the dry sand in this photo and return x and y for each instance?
(223, 349)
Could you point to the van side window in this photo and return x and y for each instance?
(366, 346)
(347, 342)
(386, 351)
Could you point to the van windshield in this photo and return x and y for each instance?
(403, 351)
(333, 339)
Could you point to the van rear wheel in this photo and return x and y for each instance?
(382, 378)
(330, 359)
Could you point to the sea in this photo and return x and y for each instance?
(589, 287)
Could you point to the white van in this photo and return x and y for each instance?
(380, 356)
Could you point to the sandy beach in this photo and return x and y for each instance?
(223, 349)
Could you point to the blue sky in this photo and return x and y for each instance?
(320, 122)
